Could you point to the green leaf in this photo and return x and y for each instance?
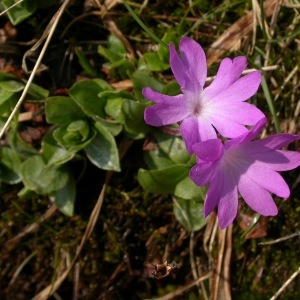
(114, 103)
(162, 181)
(82, 127)
(12, 85)
(113, 108)
(86, 94)
(42, 178)
(172, 89)
(19, 146)
(52, 152)
(142, 79)
(189, 214)
(173, 146)
(126, 69)
(163, 52)
(8, 105)
(26, 193)
(115, 51)
(187, 189)
(10, 166)
(4, 95)
(65, 197)
(106, 95)
(85, 63)
(154, 63)
(7, 76)
(157, 159)
(72, 141)
(112, 126)
(134, 117)
(35, 92)
(21, 11)
(103, 151)
(62, 110)
(116, 45)
(108, 54)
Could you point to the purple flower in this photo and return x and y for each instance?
(220, 104)
(244, 166)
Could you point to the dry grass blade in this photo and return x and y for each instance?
(286, 284)
(186, 287)
(227, 259)
(217, 276)
(32, 227)
(37, 64)
(234, 33)
(281, 239)
(19, 269)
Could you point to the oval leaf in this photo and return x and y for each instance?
(187, 189)
(162, 181)
(86, 94)
(10, 166)
(42, 178)
(65, 197)
(62, 110)
(173, 146)
(189, 214)
(52, 152)
(134, 117)
(103, 151)
(141, 79)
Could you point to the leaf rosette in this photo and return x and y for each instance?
(74, 136)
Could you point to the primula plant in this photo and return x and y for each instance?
(240, 165)
(136, 149)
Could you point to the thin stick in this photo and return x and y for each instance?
(186, 287)
(281, 239)
(269, 68)
(6, 10)
(38, 62)
(286, 284)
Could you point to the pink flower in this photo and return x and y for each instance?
(219, 106)
(244, 166)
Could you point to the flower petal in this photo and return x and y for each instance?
(164, 99)
(184, 76)
(201, 173)
(275, 142)
(269, 180)
(256, 197)
(278, 160)
(213, 194)
(229, 71)
(239, 112)
(194, 131)
(240, 90)
(194, 59)
(228, 204)
(164, 114)
(247, 137)
(209, 150)
(227, 127)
